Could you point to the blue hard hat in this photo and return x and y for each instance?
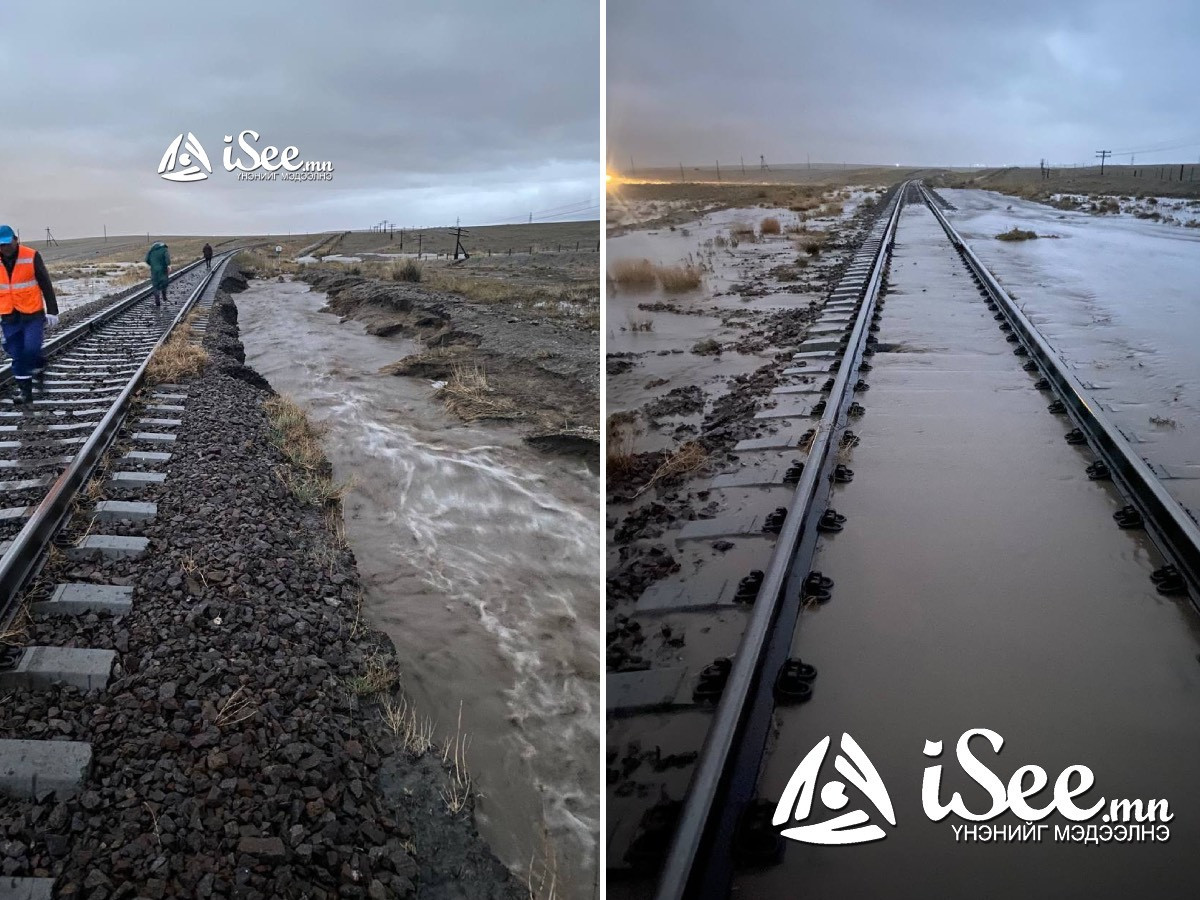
(6, 234)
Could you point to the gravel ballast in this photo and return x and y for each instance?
(236, 752)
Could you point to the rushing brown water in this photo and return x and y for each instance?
(480, 561)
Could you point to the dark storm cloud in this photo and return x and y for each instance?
(923, 83)
(477, 109)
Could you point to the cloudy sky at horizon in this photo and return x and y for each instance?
(922, 83)
(474, 110)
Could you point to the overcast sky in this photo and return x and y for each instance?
(476, 109)
(920, 82)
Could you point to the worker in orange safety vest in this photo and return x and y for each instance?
(27, 306)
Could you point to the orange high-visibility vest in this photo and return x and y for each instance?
(20, 290)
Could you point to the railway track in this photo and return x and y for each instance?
(47, 454)
(728, 730)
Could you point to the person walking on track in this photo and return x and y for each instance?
(27, 306)
(158, 258)
(208, 256)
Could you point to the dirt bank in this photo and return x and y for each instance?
(535, 364)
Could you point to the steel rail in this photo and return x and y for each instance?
(21, 561)
(93, 322)
(694, 850)
(1167, 522)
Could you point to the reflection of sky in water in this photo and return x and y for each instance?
(1116, 297)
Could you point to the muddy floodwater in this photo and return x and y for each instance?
(981, 583)
(479, 557)
(1116, 297)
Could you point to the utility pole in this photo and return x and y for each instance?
(458, 233)
(50, 241)
(632, 168)
(718, 171)
(681, 173)
(1103, 154)
(106, 234)
(743, 159)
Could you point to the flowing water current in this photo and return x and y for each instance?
(479, 559)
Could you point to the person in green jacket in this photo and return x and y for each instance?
(159, 261)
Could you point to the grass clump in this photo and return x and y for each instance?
(178, 357)
(769, 225)
(679, 279)
(1016, 234)
(310, 478)
(686, 459)
(618, 446)
(378, 676)
(637, 274)
(811, 242)
(470, 397)
(414, 731)
(408, 271)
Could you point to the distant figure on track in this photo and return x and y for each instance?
(208, 256)
(27, 306)
(159, 260)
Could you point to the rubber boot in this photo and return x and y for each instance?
(39, 382)
(25, 389)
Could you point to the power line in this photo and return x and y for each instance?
(1158, 148)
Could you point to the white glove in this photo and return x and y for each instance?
(51, 320)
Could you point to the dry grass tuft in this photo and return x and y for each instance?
(542, 879)
(415, 732)
(469, 396)
(769, 225)
(454, 755)
(680, 279)
(618, 447)
(811, 242)
(687, 458)
(646, 324)
(637, 274)
(178, 357)
(407, 271)
(1016, 234)
(379, 676)
(293, 434)
(237, 708)
(299, 440)
(17, 632)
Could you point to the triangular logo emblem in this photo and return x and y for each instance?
(193, 159)
(848, 828)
